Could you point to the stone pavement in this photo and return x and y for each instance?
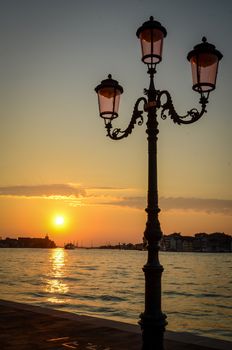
(27, 327)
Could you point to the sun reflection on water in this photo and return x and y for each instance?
(56, 287)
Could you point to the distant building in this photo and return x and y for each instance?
(201, 242)
(187, 243)
(27, 242)
(172, 242)
(219, 242)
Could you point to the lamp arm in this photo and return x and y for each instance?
(168, 109)
(118, 134)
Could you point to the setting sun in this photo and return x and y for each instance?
(59, 220)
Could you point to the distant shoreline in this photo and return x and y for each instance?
(117, 249)
(216, 242)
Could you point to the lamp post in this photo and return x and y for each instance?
(204, 59)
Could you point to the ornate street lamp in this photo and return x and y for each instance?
(204, 60)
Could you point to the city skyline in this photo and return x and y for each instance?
(55, 158)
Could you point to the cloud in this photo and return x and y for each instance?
(216, 206)
(52, 190)
(132, 202)
(222, 206)
(110, 188)
(76, 195)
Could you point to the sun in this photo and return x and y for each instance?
(59, 220)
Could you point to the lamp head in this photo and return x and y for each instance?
(109, 92)
(151, 35)
(204, 59)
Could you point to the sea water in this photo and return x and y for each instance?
(196, 287)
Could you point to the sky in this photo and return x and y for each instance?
(55, 158)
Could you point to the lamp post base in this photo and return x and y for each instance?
(153, 331)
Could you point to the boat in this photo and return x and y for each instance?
(69, 246)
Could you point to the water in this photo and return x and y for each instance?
(110, 284)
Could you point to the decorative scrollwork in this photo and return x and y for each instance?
(137, 117)
(167, 109)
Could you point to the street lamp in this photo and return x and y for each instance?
(204, 59)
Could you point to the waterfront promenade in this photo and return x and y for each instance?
(27, 327)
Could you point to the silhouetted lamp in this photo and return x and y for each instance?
(109, 92)
(151, 35)
(204, 60)
(157, 104)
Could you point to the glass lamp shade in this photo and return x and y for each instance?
(109, 92)
(204, 59)
(151, 35)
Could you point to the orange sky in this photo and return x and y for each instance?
(99, 216)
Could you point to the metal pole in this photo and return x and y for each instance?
(152, 321)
